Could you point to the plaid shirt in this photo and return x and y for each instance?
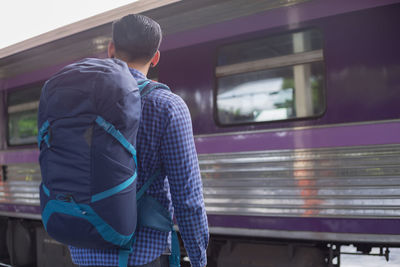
(165, 140)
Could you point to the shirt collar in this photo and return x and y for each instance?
(137, 74)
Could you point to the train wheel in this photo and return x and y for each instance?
(21, 243)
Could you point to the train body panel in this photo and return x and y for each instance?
(329, 175)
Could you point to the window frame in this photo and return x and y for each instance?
(321, 53)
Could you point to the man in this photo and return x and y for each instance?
(165, 140)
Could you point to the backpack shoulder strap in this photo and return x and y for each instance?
(147, 184)
(153, 215)
(147, 86)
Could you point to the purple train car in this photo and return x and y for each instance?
(295, 107)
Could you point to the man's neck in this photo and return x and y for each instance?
(137, 65)
(140, 67)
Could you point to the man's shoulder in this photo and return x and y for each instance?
(166, 99)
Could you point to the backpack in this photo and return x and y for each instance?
(88, 119)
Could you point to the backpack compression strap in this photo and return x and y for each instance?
(109, 128)
(44, 134)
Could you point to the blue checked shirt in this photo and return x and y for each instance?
(165, 140)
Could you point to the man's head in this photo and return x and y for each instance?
(135, 39)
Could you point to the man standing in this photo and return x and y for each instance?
(164, 141)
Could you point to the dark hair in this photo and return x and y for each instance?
(136, 37)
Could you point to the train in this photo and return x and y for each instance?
(296, 120)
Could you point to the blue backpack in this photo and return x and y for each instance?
(88, 119)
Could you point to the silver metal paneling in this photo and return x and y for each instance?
(21, 185)
(362, 182)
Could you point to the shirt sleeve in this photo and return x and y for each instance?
(182, 169)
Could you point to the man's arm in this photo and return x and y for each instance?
(181, 165)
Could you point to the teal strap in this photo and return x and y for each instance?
(175, 257)
(109, 128)
(86, 212)
(123, 256)
(154, 85)
(46, 139)
(114, 190)
(147, 184)
(43, 133)
(142, 84)
(46, 190)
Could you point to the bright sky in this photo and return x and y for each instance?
(23, 19)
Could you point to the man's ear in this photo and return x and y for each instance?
(111, 49)
(156, 58)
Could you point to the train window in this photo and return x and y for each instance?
(22, 115)
(272, 78)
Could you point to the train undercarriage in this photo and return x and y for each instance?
(25, 243)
